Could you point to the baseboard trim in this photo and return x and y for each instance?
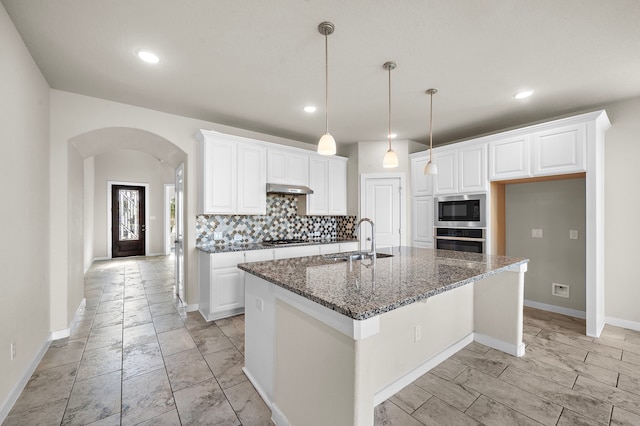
(60, 334)
(618, 322)
(13, 395)
(278, 417)
(393, 388)
(557, 309)
(501, 345)
(192, 308)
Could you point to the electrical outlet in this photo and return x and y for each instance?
(536, 233)
(561, 290)
(217, 235)
(13, 351)
(260, 304)
(573, 234)
(417, 333)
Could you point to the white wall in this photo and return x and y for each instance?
(24, 147)
(622, 197)
(89, 184)
(130, 166)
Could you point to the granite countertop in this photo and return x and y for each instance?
(365, 290)
(228, 248)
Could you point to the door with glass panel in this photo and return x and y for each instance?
(128, 225)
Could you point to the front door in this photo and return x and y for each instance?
(128, 224)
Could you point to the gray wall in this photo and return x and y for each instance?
(130, 166)
(24, 256)
(555, 207)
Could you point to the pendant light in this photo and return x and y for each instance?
(431, 168)
(390, 158)
(326, 145)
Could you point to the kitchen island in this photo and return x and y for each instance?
(327, 339)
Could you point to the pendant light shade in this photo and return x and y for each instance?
(390, 158)
(327, 144)
(431, 168)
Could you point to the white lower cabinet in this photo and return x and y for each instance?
(221, 283)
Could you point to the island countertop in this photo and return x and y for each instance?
(361, 290)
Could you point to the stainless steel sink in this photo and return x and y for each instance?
(354, 256)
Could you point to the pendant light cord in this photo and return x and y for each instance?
(326, 80)
(389, 133)
(431, 128)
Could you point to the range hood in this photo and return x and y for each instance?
(280, 188)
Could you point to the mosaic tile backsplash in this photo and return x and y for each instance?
(281, 221)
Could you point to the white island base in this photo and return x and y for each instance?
(315, 366)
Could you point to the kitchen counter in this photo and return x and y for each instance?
(363, 291)
(326, 340)
(229, 248)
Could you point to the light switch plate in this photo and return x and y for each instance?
(536, 233)
(573, 234)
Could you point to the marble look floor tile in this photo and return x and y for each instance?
(110, 306)
(81, 329)
(537, 367)
(575, 401)
(164, 323)
(480, 361)
(132, 292)
(618, 397)
(204, 403)
(62, 352)
(141, 359)
(46, 387)
(109, 421)
(238, 342)
(226, 366)
(232, 326)
(138, 335)
(146, 396)
(210, 339)
(156, 289)
(587, 370)
(132, 319)
(513, 397)
(436, 412)
(48, 414)
(490, 412)
(248, 405)
(629, 383)
(194, 320)
(116, 294)
(170, 418)
(621, 417)
(448, 369)
(156, 298)
(175, 341)
(106, 336)
(410, 398)
(186, 368)
(100, 361)
(106, 319)
(570, 418)
(93, 399)
(455, 394)
(613, 365)
(163, 308)
(132, 306)
(388, 414)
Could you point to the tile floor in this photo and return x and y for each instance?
(136, 357)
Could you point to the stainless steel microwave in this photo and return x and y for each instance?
(462, 211)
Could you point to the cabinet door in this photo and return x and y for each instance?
(422, 220)
(277, 170)
(298, 165)
(220, 184)
(472, 169)
(318, 202)
(509, 158)
(252, 179)
(421, 184)
(227, 290)
(297, 251)
(446, 181)
(337, 187)
(559, 151)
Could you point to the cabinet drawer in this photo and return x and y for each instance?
(226, 260)
(258, 255)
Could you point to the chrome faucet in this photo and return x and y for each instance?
(372, 252)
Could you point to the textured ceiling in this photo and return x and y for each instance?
(254, 64)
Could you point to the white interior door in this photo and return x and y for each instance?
(382, 204)
(179, 241)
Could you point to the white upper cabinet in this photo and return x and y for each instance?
(560, 150)
(328, 180)
(421, 184)
(509, 158)
(233, 175)
(446, 181)
(472, 169)
(287, 167)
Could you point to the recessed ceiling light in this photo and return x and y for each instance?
(147, 56)
(309, 109)
(523, 94)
